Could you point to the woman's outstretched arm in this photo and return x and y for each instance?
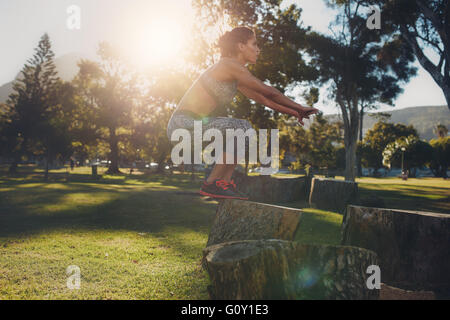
(257, 87)
(270, 103)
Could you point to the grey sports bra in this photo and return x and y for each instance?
(222, 92)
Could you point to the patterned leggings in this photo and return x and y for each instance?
(221, 123)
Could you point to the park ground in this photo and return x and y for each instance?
(140, 236)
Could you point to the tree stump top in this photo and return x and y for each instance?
(420, 213)
(280, 269)
(248, 220)
(334, 180)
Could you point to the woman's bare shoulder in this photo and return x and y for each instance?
(224, 69)
(231, 64)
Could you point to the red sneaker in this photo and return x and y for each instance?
(243, 195)
(220, 189)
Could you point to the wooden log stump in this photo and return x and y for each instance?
(247, 220)
(270, 189)
(332, 194)
(392, 293)
(413, 247)
(278, 269)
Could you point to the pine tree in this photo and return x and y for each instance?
(31, 105)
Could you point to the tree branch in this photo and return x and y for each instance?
(440, 28)
(423, 60)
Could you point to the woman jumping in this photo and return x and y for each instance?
(214, 89)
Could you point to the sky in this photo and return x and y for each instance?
(128, 23)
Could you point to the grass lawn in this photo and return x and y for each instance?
(418, 194)
(133, 237)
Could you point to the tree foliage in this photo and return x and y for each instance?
(424, 25)
(108, 92)
(315, 147)
(441, 156)
(416, 154)
(377, 138)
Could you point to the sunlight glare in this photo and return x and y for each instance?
(157, 43)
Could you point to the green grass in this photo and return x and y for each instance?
(420, 194)
(417, 194)
(133, 237)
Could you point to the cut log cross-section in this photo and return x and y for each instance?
(272, 189)
(332, 194)
(413, 247)
(278, 269)
(247, 220)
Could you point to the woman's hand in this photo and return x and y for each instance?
(304, 113)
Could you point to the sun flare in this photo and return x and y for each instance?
(158, 43)
(153, 36)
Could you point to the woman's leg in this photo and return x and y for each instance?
(225, 171)
(229, 172)
(221, 171)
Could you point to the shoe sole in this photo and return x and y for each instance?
(219, 196)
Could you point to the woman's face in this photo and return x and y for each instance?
(250, 50)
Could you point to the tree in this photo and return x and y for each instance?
(377, 138)
(417, 154)
(36, 122)
(441, 131)
(441, 156)
(55, 140)
(362, 68)
(425, 26)
(315, 147)
(322, 138)
(110, 91)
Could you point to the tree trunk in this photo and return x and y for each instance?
(351, 124)
(114, 154)
(413, 247)
(192, 172)
(17, 156)
(246, 166)
(161, 166)
(446, 90)
(247, 220)
(350, 158)
(278, 269)
(46, 166)
(13, 166)
(358, 157)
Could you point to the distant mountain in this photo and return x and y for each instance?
(5, 91)
(66, 65)
(424, 119)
